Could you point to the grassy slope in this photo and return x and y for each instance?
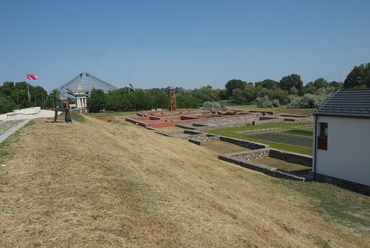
(97, 184)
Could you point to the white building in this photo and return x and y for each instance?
(342, 140)
(80, 98)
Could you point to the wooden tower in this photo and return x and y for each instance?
(171, 99)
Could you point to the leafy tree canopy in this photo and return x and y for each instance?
(267, 83)
(359, 77)
(288, 82)
(234, 84)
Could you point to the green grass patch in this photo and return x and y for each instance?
(77, 117)
(334, 203)
(74, 116)
(237, 132)
(282, 125)
(284, 147)
(283, 138)
(303, 132)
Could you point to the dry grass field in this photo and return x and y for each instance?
(99, 184)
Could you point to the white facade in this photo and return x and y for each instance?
(80, 97)
(80, 101)
(347, 155)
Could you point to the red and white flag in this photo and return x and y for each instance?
(32, 77)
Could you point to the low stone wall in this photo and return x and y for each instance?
(291, 157)
(360, 188)
(244, 158)
(271, 171)
(251, 155)
(201, 140)
(188, 117)
(232, 121)
(264, 119)
(244, 143)
(297, 118)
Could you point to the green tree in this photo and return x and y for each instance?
(6, 107)
(160, 100)
(267, 83)
(97, 100)
(359, 77)
(186, 101)
(234, 84)
(20, 97)
(250, 93)
(336, 85)
(320, 83)
(139, 100)
(279, 95)
(38, 96)
(7, 88)
(54, 98)
(239, 97)
(293, 80)
(114, 101)
(221, 94)
(205, 94)
(159, 97)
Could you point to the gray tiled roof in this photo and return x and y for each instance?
(347, 103)
(87, 82)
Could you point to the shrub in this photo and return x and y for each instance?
(263, 102)
(310, 100)
(276, 103)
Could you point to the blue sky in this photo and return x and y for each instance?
(187, 43)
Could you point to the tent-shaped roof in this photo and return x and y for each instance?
(347, 103)
(87, 83)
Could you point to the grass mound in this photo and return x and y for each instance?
(99, 184)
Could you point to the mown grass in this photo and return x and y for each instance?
(74, 116)
(161, 193)
(236, 132)
(77, 117)
(113, 113)
(283, 138)
(302, 132)
(334, 203)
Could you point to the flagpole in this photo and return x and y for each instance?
(28, 92)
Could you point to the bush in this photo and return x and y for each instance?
(263, 102)
(276, 103)
(310, 100)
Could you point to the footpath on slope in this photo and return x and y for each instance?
(26, 118)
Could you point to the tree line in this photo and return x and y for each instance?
(290, 91)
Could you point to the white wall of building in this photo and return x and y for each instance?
(348, 152)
